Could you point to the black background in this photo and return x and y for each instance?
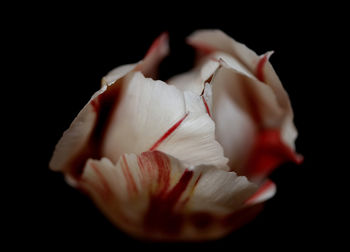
(60, 53)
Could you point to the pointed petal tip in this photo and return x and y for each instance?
(160, 43)
(299, 159)
(269, 54)
(266, 191)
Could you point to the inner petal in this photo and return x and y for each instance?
(155, 116)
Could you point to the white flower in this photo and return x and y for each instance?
(187, 159)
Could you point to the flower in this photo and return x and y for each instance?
(187, 159)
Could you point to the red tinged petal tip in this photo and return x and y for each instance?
(160, 40)
(95, 104)
(261, 65)
(268, 152)
(265, 191)
(202, 48)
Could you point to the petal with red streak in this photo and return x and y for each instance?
(244, 61)
(154, 196)
(152, 115)
(266, 190)
(83, 138)
(148, 66)
(268, 152)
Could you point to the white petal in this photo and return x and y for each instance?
(245, 61)
(153, 115)
(79, 142)
(218, 41)
(194, 80)
(266, 191)
(155, 196)
(117, 73)
(219, 191)
(235, 130)
(74, 139)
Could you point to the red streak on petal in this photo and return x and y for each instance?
(163, 164)
(153, 164)
(202, 48)
(206, 106)
(260, 68)
(157, 42)
(95, 103)
(161, 215)
(184, 202)
(106, 190)
(168, 133)
(174, 195)
(262, 189)
(268, 152)
(131, 185)
(104, 104)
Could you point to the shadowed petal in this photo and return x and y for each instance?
(74, 139)
(154, 196)
(246, 62)
(85, 134)
(156, 53)
(268, 152)
(248, 100)
(82, 140)
(155, 116)
(266, 191)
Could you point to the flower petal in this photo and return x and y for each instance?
(80, 142)
(177, 126)
(212, 41)
(266, 191)
(117, 73)
(74, 139)
(246, 84)
(236, 96)
(156, 53)
(195, 79)
(246, 62)
(83, 138)
(148, 66)
(268, 152)
(154, 196)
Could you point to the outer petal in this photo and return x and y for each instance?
(249, 101)
(148, 66)
(154, 196)
(266, 191)
(83, 138)
(241, 108)
(117, 73)
(158, 50)
(155, 116)
(81, 141)
(246, 62)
